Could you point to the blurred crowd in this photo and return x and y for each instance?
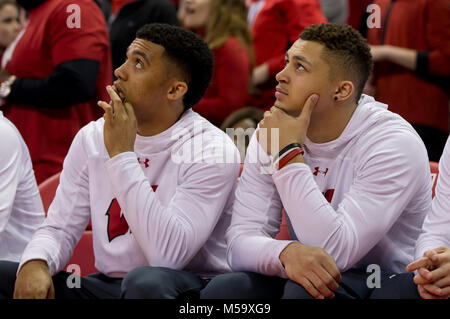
(59, 55)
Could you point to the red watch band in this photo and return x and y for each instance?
(290, 156)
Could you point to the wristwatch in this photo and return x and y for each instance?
(5, 87)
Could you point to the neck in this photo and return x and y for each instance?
(328, 125)
(154, 124)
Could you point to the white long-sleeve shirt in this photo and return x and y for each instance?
(158, 205)
(436, 227)
(21, 210)
(361, 197)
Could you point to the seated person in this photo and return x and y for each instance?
(157, 222)
(432, 265)
(223, 24)
(21, 210)
(240, 126)
(353, 178)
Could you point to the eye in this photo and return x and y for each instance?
(138, 64)
(300, 67)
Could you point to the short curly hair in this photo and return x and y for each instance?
(346, 51)
(188, 51)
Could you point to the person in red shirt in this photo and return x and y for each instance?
(412, 49)
(275, 26)
(9, 23)
(53, 74)
(223, 25)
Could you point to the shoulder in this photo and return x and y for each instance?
(392, 142)
(90, 137)
(10, 141)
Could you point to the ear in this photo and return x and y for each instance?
(177, 90)
(344, 91)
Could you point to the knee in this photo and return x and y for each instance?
(146, 283)
(236, 285)
(293, 290)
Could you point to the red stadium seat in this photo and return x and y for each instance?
(83, 254)
(434, 168)
(284, 233)
(47, 189)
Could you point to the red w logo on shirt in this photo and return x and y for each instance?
(117, 224)
(143, 162)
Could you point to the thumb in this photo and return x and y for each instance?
(308, 107)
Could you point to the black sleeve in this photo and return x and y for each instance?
(72, 82)
(422, 67)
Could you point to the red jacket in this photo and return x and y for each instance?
(423, 25)
(228, 89)
(276, 27)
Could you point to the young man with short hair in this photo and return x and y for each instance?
(157, 223)
(353, 178)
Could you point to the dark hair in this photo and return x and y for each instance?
(347, 49)
(188, 51)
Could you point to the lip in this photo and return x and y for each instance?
(279, 90)
(119, 91)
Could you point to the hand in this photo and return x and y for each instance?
(291, 129)
(260, 74)
(34, 281)
(312, 268)
(4, 75)
(120, 127)
(433, 278)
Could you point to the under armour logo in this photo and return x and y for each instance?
(317, 171)
(143, 162)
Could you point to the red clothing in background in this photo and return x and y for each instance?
(47, 42)
(228, 89)
(357, 9)
(422, 25)
(276, 27)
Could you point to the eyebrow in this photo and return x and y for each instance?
(140, 53)
(299, 57)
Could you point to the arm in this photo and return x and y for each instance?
(232, 71)
(435, 60)
(76, 55)
(382, 186)
(68, 215)
(256, 220)
(72, 82)
(437, 223)
(10, 160)
(170, 236)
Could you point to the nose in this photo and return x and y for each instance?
(282, 76)
(120, 72)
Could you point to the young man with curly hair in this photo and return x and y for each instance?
(157, 223)
(353, 178)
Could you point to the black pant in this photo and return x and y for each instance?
(143, 282)
(400, 286)
(249, 285)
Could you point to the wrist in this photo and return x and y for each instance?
(5, 86)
